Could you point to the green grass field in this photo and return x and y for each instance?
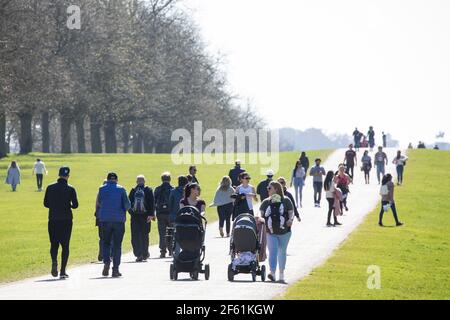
(414, 259)
(23, 229)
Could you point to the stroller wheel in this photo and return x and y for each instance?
(230, 273)
(253, 275)
(263, 273)
(207, 271)
(171, 271)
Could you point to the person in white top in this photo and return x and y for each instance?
(400, 162)
(39, 170)
(247, 189)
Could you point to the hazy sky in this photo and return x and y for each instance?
(337, 64)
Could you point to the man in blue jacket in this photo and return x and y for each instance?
(113, 203)
(175, 197)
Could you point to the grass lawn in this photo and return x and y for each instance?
(24, 246)
(414, 260)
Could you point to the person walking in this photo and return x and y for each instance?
(282, 181)
(350, 161)
(371, 135)
(384, 140)
(60, 198)
(366, 161)
(343, 181)
(13, 175)
(298, 180)
(192, 198)
(39, 170)
(192, 177)
(245, 189)
(224, 203)
(278, 212)
(142, 213)
(304, 160)
(98, 225)
(317, 172)
(261, 189)
(400, 163)
(162, 195)
(356, 138)
(387, 200)
(380, 162)
(113, 203)
(330, 189)
(176, 194)
(234, 174)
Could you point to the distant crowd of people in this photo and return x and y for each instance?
(235, 195)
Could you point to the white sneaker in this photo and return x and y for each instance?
(281, 278)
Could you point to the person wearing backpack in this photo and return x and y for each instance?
(278, 213)
(142, 212)
(387, 200)
(162, 195)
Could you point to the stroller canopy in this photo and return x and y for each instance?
(189, 230)
(245, 233)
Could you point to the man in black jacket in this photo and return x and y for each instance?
(162, 195)
(234, 174)
(142, 212)
(261, 189)
(60, 198)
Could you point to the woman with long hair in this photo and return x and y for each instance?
(330, 188)
(13, 175)
(366, 161)
(192, 198)
(278, 212)
(387, 199)
(298, 180)
(245, 188)
(343, 181)
(224, 203)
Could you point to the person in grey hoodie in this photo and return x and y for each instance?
(224, 203)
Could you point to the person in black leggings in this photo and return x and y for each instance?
(60, 198)
(329, 190)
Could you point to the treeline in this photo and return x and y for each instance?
(134, 72)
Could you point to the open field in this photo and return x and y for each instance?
(23, 219)
(414, 259)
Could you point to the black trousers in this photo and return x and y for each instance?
(59, 232)
(331, 210)
(163, 223)
(394, 211)
(350, 170)
(140, 230)
(39, 179)
(225, 213)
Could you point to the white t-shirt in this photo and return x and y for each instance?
(247, 190)
(39, 168)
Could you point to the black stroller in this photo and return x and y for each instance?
(244, 247)
(189, 248)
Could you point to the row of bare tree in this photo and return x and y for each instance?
(135, 71)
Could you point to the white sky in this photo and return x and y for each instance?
(337, 64)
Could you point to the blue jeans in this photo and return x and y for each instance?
(317, 191)
(277, 245)
(381, 169)
(113, 232)
(298, 187)
(400, 170)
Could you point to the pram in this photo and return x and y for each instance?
(245, 244)
(189, 247)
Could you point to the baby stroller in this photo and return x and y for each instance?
(189, 248)
(244, 245)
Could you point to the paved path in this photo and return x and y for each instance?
(310, 245)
